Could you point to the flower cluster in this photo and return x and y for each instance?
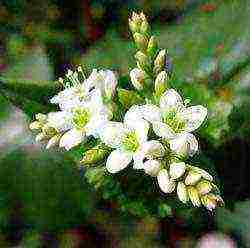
(155, 136)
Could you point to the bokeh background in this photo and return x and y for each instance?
(45, 201)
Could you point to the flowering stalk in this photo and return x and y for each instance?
(155, 134)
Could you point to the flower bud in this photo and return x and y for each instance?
(137, 78)
(94, 155)
(159, 62)
(152, 167)
(192, 178)
(140, 41)
(166, 184)
(203, 173)
(142, 60)
(176, 170)
(53, 141)
(144, 28)
(161, 83)
(152, 46)
(135, 22)
(204, 187)
(35, 125)
(194, 196)
(210, 201)
(182, 192)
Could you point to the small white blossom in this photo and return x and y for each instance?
(81, 121)
(129, 139)
(80, 90)
(173, 121)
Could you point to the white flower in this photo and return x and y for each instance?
(174, 121)
(83, 120)
(79, 89)
(129, 139)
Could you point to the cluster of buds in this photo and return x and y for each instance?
(191, 183)
(151, 62)
(46, 132)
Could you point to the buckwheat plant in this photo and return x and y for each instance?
(148, 128)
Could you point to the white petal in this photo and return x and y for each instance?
(152, 167)
(113, 133)
(165, 183)
(182, 192)
(184, 144)
(163, 130)
(151, 112)
(171, 99)
(133, 120)
(152, 149)
(176, 170)
(61, 120)
(71, 138)
(95, 125)
(194, 116)
(138, 160)
(117, 161)
(110, 82)
(132, 115)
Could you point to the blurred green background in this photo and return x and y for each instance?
(45, 201)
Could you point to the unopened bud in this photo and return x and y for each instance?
(210, 201)
(152, 46)
(144, 28)
(140, 41)
(135, 22)
(192, 177)
(152, 167)
(161, 83)
(203, 173)
(160, 60)
(166, 184)
(204, 187)
(94, 155)
(182, 192)
(35, 125)
(194, 196)
(176, 170)
(137, 78)
(142, 60)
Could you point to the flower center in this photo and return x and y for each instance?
(172, 120)
(81, 117)
(130, 142)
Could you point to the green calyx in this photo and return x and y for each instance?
(130, 142)
(81, 117)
